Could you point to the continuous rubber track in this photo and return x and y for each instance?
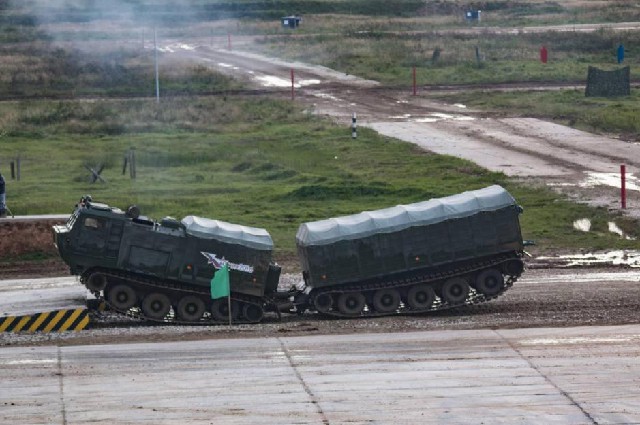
(175, 291)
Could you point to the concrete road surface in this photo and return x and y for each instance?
(582, 375)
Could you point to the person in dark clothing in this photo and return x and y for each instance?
(3, 205)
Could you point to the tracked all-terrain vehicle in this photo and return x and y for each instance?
(442, 253)
(431, 255)
(167, 267)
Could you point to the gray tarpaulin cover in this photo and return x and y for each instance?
(403, 216)
(251, 237)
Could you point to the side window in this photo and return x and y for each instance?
(93, 234)
(94, 223)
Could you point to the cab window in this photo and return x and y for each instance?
(93, 223)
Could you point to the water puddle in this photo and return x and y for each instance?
(610, 179)
(611, 258)
(171, 48)
(431, 118)
(613, 228)
(31, 361)
(271, 81)
(578, 340)
(584, 225)
(326, 96)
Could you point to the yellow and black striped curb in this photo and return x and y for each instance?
(53, 321)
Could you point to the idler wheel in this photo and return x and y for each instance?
(156, 305)
(252, 313)
(220, 309)
(455, 290)
(323, 303)
(386, 300)
(96, 282)
(351, 303)
(490, 282)
(122, 297)
(190, 308)
(421, 297)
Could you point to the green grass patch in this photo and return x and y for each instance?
(278, 169)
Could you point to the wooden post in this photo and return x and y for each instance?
(132, 163)
(292, 85)
(414, 80)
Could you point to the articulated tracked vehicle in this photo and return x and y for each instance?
(432, 255)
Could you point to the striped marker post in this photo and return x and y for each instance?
(354, 127)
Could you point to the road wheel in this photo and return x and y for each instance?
(351, 303)
(96, 282)
(455, 290)
(190, 308)
(252, 313)
(421, 297)
(323, 303)
(156, 305)
(386, 300)
(220, 310)
(122, 297)
(489, 282)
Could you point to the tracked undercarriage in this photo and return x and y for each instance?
(439, 289)
(156, 300)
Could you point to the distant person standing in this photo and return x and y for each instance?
(3, 205)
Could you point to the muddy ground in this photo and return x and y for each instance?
(581, 165)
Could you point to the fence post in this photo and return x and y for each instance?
(132, 163)
(292, 85)
(414, 80)
(13, 170)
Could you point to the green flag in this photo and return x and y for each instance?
(220, 283)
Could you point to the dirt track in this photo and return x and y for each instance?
(541, 298)
(581, 165)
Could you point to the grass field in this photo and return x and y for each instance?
(78, 91)
(278, 169)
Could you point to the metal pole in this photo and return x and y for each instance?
(155, 48)
(623, 189)
(229, 306)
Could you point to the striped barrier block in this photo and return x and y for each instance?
(53, 321)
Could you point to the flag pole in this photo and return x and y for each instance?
(229, 304)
